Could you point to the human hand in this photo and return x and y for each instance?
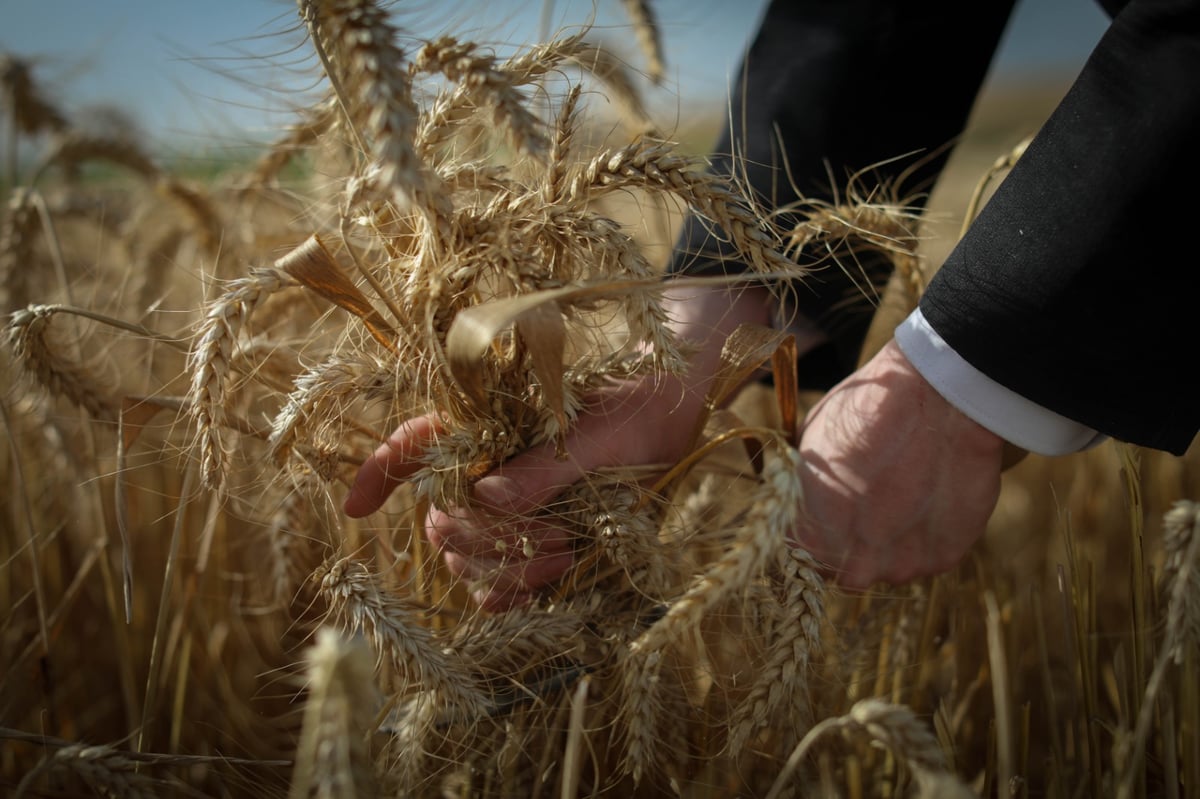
(500, 543)
(898, 483)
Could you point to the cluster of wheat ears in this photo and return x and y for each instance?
(194, 371)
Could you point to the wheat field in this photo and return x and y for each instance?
(193, 369)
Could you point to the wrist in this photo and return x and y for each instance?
(1015, 418)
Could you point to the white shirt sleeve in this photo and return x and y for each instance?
(1001, 410)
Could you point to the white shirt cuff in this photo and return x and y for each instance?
(1001, 410)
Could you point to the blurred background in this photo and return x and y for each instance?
(193, 75)
(203, 85)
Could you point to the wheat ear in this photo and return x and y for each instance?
(773, 513)
(30, 110)
(320, 395)
(893, 726)
(369, 72)
(209, 362)
(1181, 578)
(645, 26)
(779, 696)
(651, 164)
(333, 759)
(483, 84)
(391, 625)
(40, 353)
(16, 249)
(104, 770)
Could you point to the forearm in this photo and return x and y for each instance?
(1069, 289)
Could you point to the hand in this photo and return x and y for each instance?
(500, 543)
(898, 483)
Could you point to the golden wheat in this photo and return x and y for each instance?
(467, 243)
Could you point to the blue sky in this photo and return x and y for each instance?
(192, 70)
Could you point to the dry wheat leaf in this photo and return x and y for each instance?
(544, 334)
(536, 314)
(744, 352)
(746, 349)
(313, 265)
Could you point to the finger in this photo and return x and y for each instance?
(472, 533)
(500, 584)
(526, 482)
(391, 464)
(533, 478)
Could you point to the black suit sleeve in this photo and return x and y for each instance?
(832, 87)
(1075, 286)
